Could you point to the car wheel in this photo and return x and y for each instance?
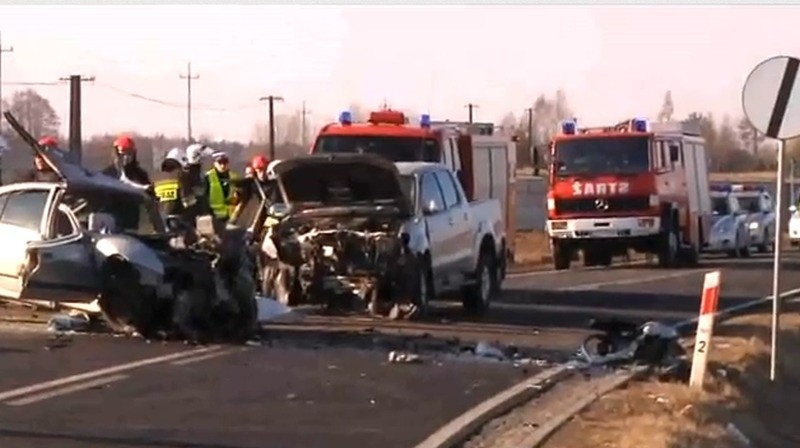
(743, 251)
(765, 245)
(478, 297)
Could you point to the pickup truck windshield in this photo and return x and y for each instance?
(602, 155)
(394, 148)
(408, 184)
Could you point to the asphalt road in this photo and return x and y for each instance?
(326, 382)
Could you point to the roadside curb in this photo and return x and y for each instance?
(459, 429)
(462, 426)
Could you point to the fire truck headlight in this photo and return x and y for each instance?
(551, 204)
(654, 200)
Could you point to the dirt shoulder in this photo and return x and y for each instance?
(738, 394)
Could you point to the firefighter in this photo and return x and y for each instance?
(220, 188)
(41, 171)
(194, 182)
(168, 190)
(125, 166)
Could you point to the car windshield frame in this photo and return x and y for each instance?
(83, 201)
(746, 200)
(408, 183)
(396, 148)
(718, 211)
(591, 156)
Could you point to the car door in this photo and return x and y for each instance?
(437, 228)
(22, 222)
(460, 237)
(63, 267)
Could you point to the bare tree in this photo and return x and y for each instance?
(34, 113)
(751, 139)
(667, 108)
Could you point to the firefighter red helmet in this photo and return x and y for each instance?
(259, 163)
(123, 143)
(48, 141)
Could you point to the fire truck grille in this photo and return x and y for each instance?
(603, 205)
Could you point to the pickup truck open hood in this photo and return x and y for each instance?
(341, 183)
(70, 173)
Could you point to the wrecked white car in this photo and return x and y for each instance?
(94, 243)
(352, 227)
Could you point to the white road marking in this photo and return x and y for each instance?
(630, 281)
(67, 390)
(594, 310)
(193, 359)
(25, 390)
(567, 271)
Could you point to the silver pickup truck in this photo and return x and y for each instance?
(357, 226)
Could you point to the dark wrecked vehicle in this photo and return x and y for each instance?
(94, 243)
(339, 240)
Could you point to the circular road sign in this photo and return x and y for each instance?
(771, 97)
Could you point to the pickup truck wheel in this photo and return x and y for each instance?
(478, 297)
(423, 287)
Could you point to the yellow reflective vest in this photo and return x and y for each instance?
(220, 205)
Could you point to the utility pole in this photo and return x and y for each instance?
(271, 109)
(188, 77)
(471, 106)
(304, 112)
(531, 145)
(75, 138)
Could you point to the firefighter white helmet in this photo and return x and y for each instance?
(195, 153)
(271, 169)
(176, 154)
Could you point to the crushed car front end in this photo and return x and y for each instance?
(340, 239)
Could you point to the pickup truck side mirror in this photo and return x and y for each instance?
(431, 208)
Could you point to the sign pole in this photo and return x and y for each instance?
(776, 264)
(709, 302)
(770, 100)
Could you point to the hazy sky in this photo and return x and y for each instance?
(613, 62)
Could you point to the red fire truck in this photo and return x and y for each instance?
(483, 160)
(636, 185)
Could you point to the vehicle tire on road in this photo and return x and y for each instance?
(766, 245)
(478, 297)
(423, 286)
(562, 256)
(668, 252)
(125, 304)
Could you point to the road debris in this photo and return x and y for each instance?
(72, 322)
(404, 358)
(653, 344)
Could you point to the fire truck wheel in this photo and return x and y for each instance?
(562, 256)
(668, 252)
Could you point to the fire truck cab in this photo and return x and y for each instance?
(633, 186)
(483, 160)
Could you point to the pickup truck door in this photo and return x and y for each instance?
(439, 232)
(458, 218)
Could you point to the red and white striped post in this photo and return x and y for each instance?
(705, 328)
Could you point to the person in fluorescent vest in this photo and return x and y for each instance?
(168, 190)
(221, 190)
